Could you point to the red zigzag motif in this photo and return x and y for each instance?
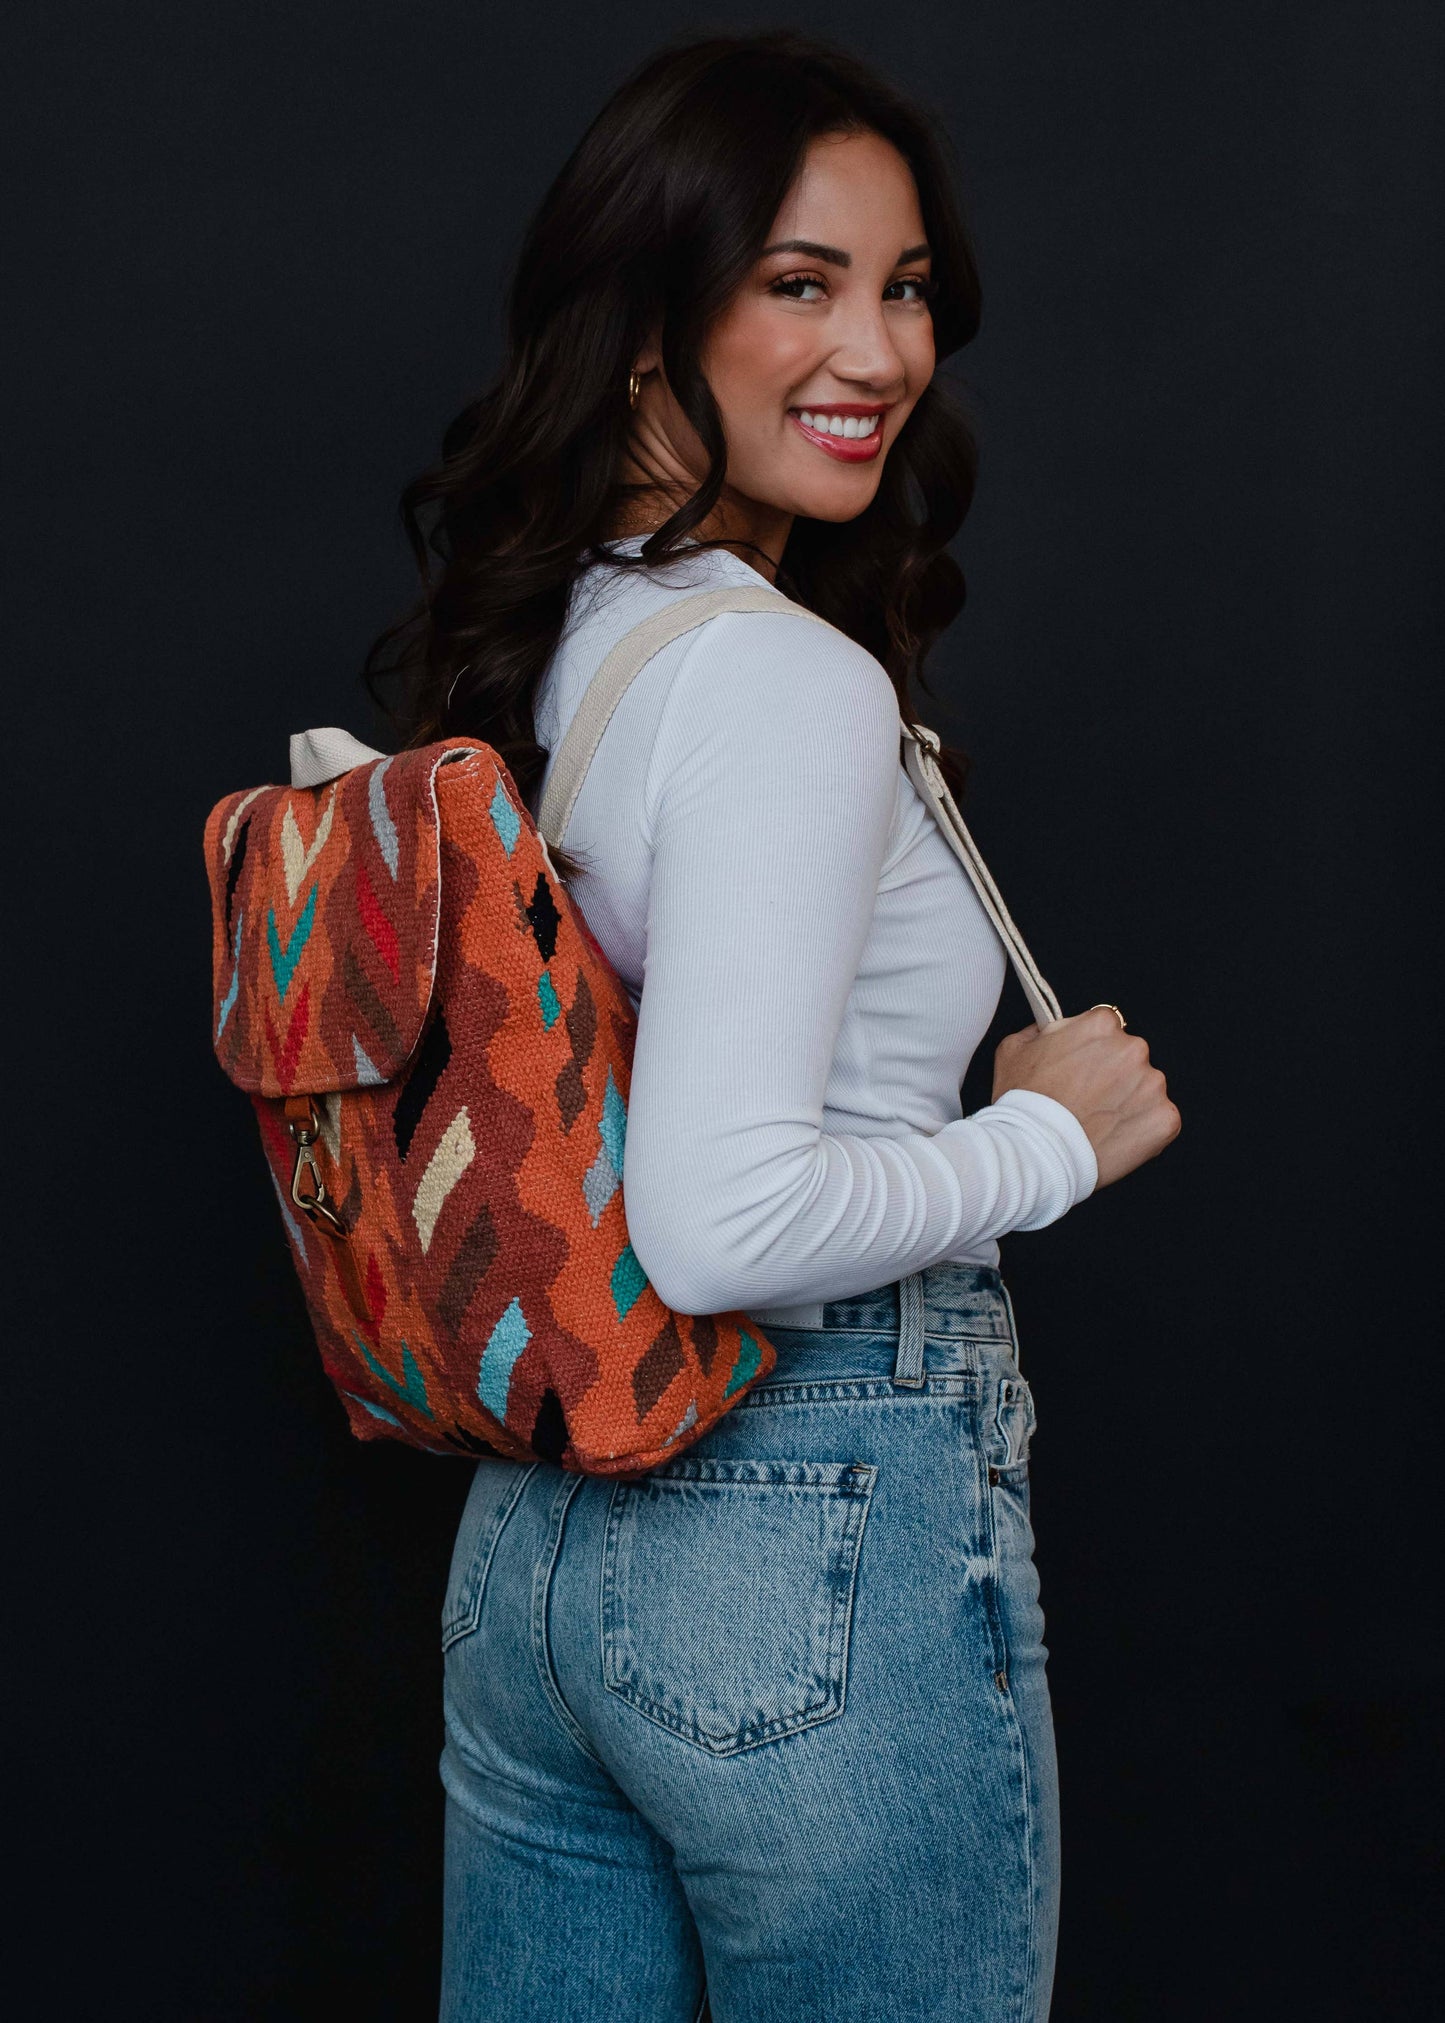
(288, 1053)
(383, 934)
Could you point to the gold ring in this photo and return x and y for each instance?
(1123, 1022)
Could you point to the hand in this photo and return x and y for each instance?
(1103, 1074)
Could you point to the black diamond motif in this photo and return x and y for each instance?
(238, 858)
(431, 1064)
(544, 918)
(549, 1434)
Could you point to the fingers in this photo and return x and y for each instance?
(1099, 1023)
(1098, 1019)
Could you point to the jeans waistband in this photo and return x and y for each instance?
(968, 1301)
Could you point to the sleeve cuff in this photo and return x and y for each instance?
(1073, 1139)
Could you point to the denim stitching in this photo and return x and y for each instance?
(887, 1331)
(1013, 1328)
(912, 1343)
(541, 1594)
(865, 1504)
(984, 1448)
(733, 1471)
(1031, 1963)
(852, 1390)
(465, 1622)
(986, 1434)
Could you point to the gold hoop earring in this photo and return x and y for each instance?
(634, 389)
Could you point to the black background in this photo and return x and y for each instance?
(262, 248)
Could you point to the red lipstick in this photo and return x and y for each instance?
(849, 449)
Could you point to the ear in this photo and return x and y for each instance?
(649, 358)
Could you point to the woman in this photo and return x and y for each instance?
(769, 1727)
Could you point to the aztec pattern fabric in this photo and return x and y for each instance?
(439, 1055)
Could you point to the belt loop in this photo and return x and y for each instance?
(1013, 1327)
(908, 1364)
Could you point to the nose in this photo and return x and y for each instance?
(866, 355)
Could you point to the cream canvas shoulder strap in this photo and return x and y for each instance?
(627, 660)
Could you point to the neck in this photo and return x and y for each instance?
(755, 533)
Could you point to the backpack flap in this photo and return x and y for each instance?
(325, 903)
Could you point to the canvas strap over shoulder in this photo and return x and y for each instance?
(627, 660)
(616, 675)
(922, 768)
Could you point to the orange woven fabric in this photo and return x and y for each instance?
(396, 946)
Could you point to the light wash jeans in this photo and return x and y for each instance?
(773, 1718)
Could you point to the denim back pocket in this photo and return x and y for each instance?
(727, 1595)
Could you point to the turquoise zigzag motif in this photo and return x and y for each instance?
(499, 1358)
(548, 999)
(749, 1357)
(414, 1387)
(505, 819)
(376, 1411)
(284, 960)
(604, 1175)
(228, 1002)
(628, 1281)
(613, 1123)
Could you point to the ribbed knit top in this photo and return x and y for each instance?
(811, 966)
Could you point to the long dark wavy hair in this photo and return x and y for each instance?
(655, 221)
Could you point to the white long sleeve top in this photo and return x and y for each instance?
(811, 966)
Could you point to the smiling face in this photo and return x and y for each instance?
(820, 357)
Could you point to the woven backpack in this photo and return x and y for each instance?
(439, 1057)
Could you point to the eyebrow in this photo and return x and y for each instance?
(834, 255)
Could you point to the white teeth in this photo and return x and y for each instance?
(851, 426)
